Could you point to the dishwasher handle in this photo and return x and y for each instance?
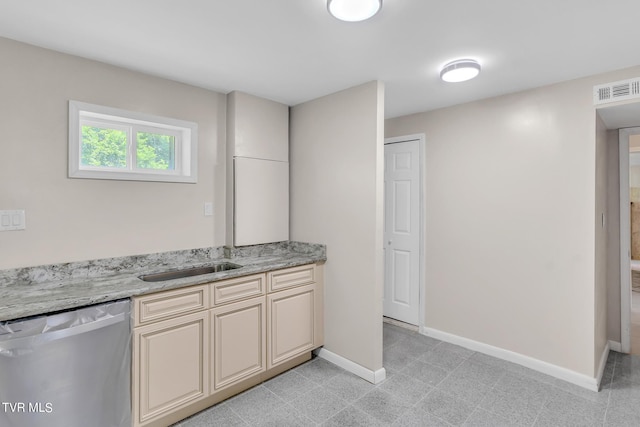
(46, 337)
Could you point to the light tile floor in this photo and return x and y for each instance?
(432, 383)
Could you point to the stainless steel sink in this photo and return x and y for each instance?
(188, 272)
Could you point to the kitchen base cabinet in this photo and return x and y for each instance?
(238, 347)
(230, 391)
(290, 323)
(197, 346)
(295, 312)
(170, 363)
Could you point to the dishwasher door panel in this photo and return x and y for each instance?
(68, 369)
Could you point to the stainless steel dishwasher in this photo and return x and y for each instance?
(69, 369)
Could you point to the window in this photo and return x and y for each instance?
(109, 143)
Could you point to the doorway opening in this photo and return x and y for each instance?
(625, 119)
(404, 225)
(629, 142)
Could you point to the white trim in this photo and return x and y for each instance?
(615, 346)
(537, 365)
(374, 377)
(625, 239)
(421, 138)
(185, 136)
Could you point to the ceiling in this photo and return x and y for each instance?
(620, 116)
(292, 51)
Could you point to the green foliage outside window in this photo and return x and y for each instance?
(156, 151)
(102, 147)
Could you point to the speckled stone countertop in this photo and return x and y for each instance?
(39, 290)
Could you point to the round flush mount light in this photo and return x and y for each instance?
(460, 70)
(353, 10)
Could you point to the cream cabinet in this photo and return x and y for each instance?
(257, 170)
(290, 323)
(170, 365)
(293, 315)
(233, 290)
(168, 304)
(198, 345)
(238, 330)
(238, 346)
(291, 277)
(257, 128)
(261, 201)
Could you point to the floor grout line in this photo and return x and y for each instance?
(535, 390)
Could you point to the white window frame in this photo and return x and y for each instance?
(185, 136)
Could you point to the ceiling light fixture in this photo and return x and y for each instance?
(460, 70)
(353, 10)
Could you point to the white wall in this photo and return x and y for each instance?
(336, 154)
(79, 219)
(510, 236)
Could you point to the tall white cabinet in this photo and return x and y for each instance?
(257, 170)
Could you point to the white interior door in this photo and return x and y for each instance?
(402, 231)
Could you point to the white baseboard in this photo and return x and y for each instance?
(615, 346)
(374, 377)
(520, 359)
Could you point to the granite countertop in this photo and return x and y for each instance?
(39, 290)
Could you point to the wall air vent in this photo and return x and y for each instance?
(616, 91)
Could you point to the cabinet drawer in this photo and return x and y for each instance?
(164, 305)
(290, 277)
(231, 290)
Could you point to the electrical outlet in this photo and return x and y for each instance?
(208, 209)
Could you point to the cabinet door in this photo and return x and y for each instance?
(290, 323)
(170, 365)
(238, 345)
(261, 201)
(257, 127)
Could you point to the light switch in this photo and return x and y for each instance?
(12, 220)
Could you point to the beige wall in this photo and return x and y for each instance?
(336, 154)
(519, 273)
(634, 143)
(634, 177)
(80, 219)
(601, 249)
